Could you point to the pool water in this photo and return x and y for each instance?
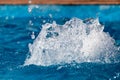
(22, 25)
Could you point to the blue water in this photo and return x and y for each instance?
(15, 35)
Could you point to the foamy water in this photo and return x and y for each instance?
(76, 41)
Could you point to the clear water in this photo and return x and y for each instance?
(73, 46)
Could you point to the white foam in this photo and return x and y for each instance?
(76, 41)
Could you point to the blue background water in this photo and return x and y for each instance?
(15, 35)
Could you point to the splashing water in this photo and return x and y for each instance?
(76, 41)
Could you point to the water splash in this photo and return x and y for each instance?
(76, 41)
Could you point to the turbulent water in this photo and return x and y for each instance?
(76, 41)
(57, 42)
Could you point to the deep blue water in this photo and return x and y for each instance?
(15, 35)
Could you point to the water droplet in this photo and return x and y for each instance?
(30, 22)
(29, 9)
(44, 21)
(50, 15)
(32, 35)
